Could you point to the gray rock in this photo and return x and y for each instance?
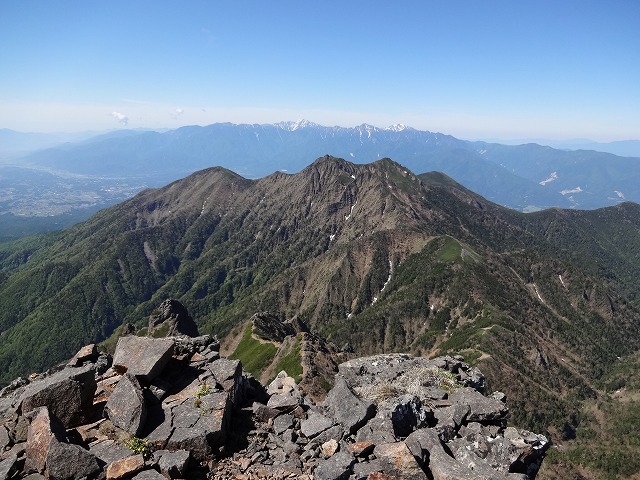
(450, 419)
(315, 424)
(8, 467)
(336, 467)
(517, 451)
(228, 374)
(377, 430)
(407, 414)
(202, 429)
(66, 461)
(126, 407)
(335, 432)
(68, 395)
(424, 444)
(108, 451)
(283, 403)
(149, 475)
(282, 423)
(369, 469)
(141, 356)
(262, 413)
(173, 464)
(5, 439)
(346, 408)
(481, 409)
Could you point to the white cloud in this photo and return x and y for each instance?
(176, 113)
(121, 117)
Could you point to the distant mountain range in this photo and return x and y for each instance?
(84, 174)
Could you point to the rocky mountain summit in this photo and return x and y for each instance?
(171, 407)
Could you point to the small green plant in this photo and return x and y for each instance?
(203, 389)
(139, 446)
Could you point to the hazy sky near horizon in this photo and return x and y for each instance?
(473, 69)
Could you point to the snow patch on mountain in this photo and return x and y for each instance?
(347, 217)
(298, 124)
(574, 190)
(551, 178)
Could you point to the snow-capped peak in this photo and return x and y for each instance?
(293, 126)
(366, 127)
(398, 127)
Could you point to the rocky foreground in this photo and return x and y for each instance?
(173, 408)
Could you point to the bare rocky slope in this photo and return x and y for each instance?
(171, 407)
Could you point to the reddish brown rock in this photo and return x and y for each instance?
(125, 467)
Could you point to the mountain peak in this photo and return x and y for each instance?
(398, 127)
(298, 124)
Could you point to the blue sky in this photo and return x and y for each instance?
(473, 69)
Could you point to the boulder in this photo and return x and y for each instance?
(315, 424)
(173, 464)
(141, 356)
(125, 467)
(201, 429)
(228, 375)
(126, 407)
(398, 462)
(67, 461)
(517, 451)
(407, 413)
(346, 408)
(108, 451)
(450, 419)
(67, 394)
(47, 451)
(336, 467)
(481, 409)
(88, 353)
(377, 430)
(283, 403)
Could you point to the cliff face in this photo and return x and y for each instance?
(172, 407)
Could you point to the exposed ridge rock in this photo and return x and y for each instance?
(172, 319)
(196, 415)
(269, 327)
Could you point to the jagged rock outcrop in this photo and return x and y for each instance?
(172, 408)
(171, 319)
